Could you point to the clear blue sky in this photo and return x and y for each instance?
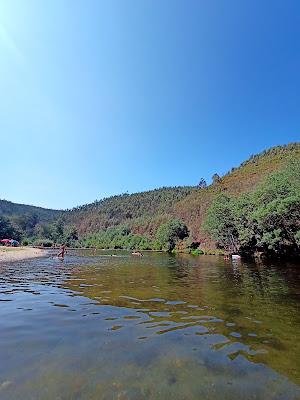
(103, 97)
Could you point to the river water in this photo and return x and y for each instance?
(113, 326)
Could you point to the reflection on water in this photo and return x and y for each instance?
(103, 327)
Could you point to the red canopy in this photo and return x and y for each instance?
(5, 241)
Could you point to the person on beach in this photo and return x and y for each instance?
(62, 251)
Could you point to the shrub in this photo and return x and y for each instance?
(266, 220)
(169, 233)
(197, 252)
(43, 242)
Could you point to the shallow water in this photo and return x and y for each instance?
(157, 327)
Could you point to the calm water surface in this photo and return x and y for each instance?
(157, 327)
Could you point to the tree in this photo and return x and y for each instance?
(276, 211)
(202, 183)
(25, 223)
(70, 234)
(32, 220)
(170, 232)
(266, 220)
(43, 231)
(58, 230)
(216, 178)
(220, 223)
(7, 230)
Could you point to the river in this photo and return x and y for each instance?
(113, 326)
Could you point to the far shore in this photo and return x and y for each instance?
(11, 254)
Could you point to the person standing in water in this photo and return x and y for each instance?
(62, 251)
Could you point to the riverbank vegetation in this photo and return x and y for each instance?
(166, 238)
(266, 220)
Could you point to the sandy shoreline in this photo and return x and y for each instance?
(10, 254)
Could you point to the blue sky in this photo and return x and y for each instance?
(103, 97)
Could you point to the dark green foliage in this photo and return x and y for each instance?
(43, 242)
(70, 234)
(220, 223)
(202, 184)
(57, 232)
(43, 231)
(169, 233)
(273, 212)
(266, 220)
(7, 230)
(197, 252)
(26, 223)
(122, 238)
(7, 208)
(117, 238)
(216, 178)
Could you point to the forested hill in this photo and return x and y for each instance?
(137, 220)
(10, 209)
(243, 179)
(145, 212)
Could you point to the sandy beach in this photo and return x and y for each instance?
(10, 254)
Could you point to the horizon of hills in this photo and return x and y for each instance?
(144, 212)
(9, 208)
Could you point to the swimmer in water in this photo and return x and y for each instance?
(62, 251)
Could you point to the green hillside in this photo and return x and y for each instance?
(145, 212)
(9, 209)
(192, 210)
(21, 220)
(136, 220)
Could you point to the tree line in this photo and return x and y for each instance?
(266, 220)
(30, 230)
(166, 238)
